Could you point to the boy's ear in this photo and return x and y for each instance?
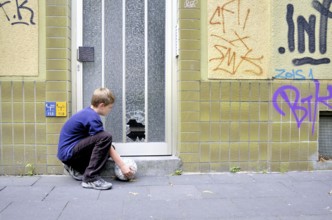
(101, 105)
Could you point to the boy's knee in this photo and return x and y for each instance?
(107, 136)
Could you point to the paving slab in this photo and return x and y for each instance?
(264, 207)
(225, 191)
(190, 179)
(310, 205)
(152, 210)
(95, 210)
(174, 192)
(232, 178)
(25, 193)
(270, 196)
(271, 177)
(74, 193)
(209, 209)
(18, 180)
(32, 210)
(125, 194)
(272, 189)
(311, 189)
(56, 180)
(309, 176)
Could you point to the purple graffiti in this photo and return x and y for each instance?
(297, 105)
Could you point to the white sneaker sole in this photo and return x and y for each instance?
(90, 186)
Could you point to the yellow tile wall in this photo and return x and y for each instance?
(245, 130)
(227, 123)
(26, 135)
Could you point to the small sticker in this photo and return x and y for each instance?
(61, 109)
(55, 109)
(50, 109)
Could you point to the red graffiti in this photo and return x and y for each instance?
(233, 51)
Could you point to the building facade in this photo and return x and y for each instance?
(221, 84)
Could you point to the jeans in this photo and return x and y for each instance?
(90, 155)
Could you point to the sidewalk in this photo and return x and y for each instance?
(293, 195)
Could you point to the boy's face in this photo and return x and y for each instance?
(104, 109)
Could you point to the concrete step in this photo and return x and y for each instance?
(149, 166)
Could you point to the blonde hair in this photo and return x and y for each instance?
(102, 95)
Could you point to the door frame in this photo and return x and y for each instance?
(171, 54)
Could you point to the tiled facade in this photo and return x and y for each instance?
(27, 136)
(222, 123)
(232, 123)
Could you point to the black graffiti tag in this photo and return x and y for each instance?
(4, 11)
(21, 9)
(308, 27)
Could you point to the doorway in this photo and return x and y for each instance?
(132, 50)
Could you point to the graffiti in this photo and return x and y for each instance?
(190, 3)
(293, 74)
(291, 96)
(22, 15)
(308, 27)
(232, 50)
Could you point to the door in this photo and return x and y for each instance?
(128, 38)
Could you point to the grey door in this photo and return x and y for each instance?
(128, 37)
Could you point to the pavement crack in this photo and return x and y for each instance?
(3, 188)
(6, 207)
(63, 210)
(48, 193)
(35, 181)
(99, 195)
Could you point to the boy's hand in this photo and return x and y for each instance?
(125, 169)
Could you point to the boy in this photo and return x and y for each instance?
(84, 146)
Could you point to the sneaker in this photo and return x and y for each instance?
(73, 173)
(99, 184)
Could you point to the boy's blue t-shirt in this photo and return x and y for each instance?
(84, 123)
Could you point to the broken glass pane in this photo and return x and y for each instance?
(135, 59)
